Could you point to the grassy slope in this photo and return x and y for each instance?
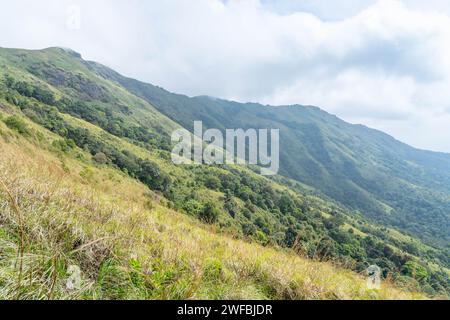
(226, 223)
(30, 64)
(128, 246)
(362, 168)
(86, 175)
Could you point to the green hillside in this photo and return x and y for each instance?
(364, 169)
(104, 135)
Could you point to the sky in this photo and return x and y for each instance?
(381, 63)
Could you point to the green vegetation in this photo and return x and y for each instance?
(62, 237)
(96, 126)
(387, 181)
(209, 213)
(17, 124)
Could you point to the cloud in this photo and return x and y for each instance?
(383, 63)
(323, 9)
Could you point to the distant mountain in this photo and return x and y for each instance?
(364, 169)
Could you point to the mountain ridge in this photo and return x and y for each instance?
(215, 98)
(418, 170)
(105, 125)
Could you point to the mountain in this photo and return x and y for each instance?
(87, 181)
(364, 169)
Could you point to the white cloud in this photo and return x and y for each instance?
(383, 63)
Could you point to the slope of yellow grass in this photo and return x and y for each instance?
(58, 214)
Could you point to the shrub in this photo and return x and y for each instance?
(415, 271)
(17, 124)
(64, 145)
(193, 207)
(210, 213)
(212, 182)
(100, 158)
(212, 270)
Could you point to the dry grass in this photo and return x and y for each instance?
(128, 246)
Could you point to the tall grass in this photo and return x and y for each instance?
(126, 245)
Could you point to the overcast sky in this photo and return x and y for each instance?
(385, 64)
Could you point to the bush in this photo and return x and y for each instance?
(17, 124)
(64, 145)
(210, 213)
(31, 91)
(193, 207)
(212, 182)
(100, 158)
(415, 271)
(212, 270)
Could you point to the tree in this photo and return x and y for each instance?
(286, 204)
(10, 81)
(100, 158)
(290, 236)
(193, 207)
(229, 204)
(210, 213)
(213, 182)
(415, 270)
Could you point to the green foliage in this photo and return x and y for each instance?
(17, 124)
(212, 182)
(251, 207)
(213, 270)
(144, 170)
(87, 173)
(102, 116)
(415, 270)
(361, 168)
(64, 145)
(30, 90)
(210, 213)
(100, 158)
(193, 207)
